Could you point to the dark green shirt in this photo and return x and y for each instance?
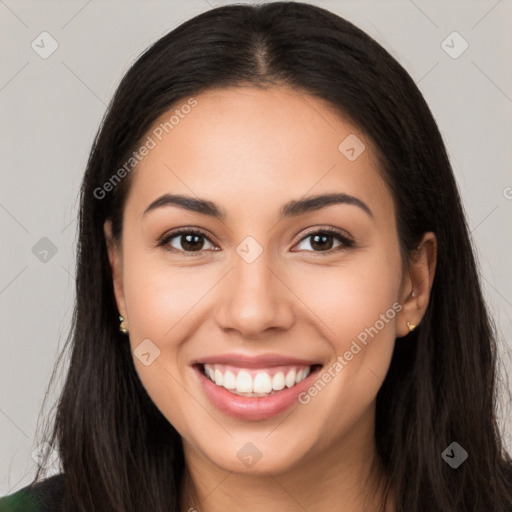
(43, 496)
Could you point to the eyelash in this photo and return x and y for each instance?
(347, 243)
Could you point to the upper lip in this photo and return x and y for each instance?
(250, 361)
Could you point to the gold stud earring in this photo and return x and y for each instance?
(410, 326)
(122, 326)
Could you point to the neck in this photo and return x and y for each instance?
(346, 477)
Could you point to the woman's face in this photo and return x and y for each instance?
(262, 295)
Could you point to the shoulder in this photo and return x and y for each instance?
(42, 496)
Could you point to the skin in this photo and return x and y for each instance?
(250, 151)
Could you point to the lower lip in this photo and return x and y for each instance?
(253, 408)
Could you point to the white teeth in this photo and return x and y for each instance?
(263, 384)
(290, 378)
(218, 377)
(244, 382)
(229, 380)
(307, 371)
(278, 381)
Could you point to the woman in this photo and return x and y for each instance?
(278, 306)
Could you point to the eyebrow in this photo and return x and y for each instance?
(291, 209)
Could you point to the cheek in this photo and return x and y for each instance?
(160, 301)
(350, 298)
(356, 306)
(159, 294)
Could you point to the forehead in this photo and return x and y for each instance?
(255, 147)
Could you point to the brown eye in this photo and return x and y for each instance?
(185, 241)
(323, 240)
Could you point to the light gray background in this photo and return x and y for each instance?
(52, 107)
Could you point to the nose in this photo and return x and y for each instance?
(255, 298)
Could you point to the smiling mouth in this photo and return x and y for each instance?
(250, 382)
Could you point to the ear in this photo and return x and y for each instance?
(116, 264)
(417, 283)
